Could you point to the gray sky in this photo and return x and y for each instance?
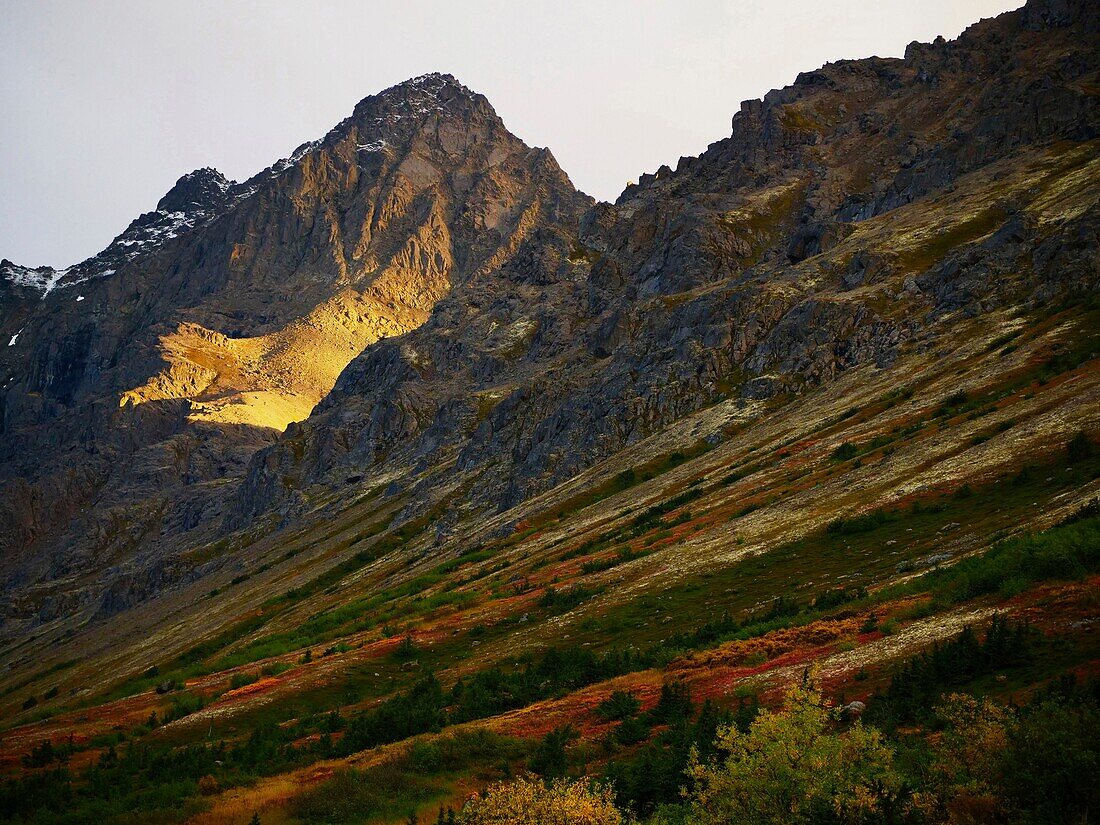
(104, 104)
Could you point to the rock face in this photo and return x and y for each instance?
(138, 382)
(422, 301)
(845, 218)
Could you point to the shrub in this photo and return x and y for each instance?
(426, 757)
(675, 702)
(844, 452)
(274, 668)
(407, 649)
(656, 774)
(183, 704)
(549, 758)
(1053, 746)
(1029, 766)
(956, 399)
(1079, 448)
(44, 754)
(496, 690)
(418, 710)
(791, 767)
(357, 795)
(917, 685)
(239, 680)
(1066, 551)
(527, 800)
(631, 731)
(619, 705)
(860, 524)
(559, 601)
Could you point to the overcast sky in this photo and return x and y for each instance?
(103, 104)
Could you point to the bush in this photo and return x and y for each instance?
(631, 731)
(1067, 551)
(1051, 749)
(240, 680)
(1079, 448)
(675, 702)
(183, 704)
(527, 800)
(619, 705)
(1031, 766)
(407, 649)
(274, 668)
(559, 601)
(790, 767)
(657, 773)
(844, 452)
(917, 685)
(418, 710)
(860, 524)
(956, 399)
(549, 758)
(496, 690)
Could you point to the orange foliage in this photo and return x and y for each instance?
(528, 800)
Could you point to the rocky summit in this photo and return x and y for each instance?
(406, 418)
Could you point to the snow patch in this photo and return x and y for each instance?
(373, 146)
(279, 167)
(44, 278)
(15, 338)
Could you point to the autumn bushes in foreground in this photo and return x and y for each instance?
(985, 763)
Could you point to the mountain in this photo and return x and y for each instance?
(137, 383)
(775, 261)
(405, 433)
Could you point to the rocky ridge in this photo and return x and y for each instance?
(768, 265)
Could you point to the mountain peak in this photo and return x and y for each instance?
(417, 97)
(432, 84)
(199, 190)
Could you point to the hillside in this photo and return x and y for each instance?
(348, 490)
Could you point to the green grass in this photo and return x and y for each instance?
(1065, 552)
(852, 551)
